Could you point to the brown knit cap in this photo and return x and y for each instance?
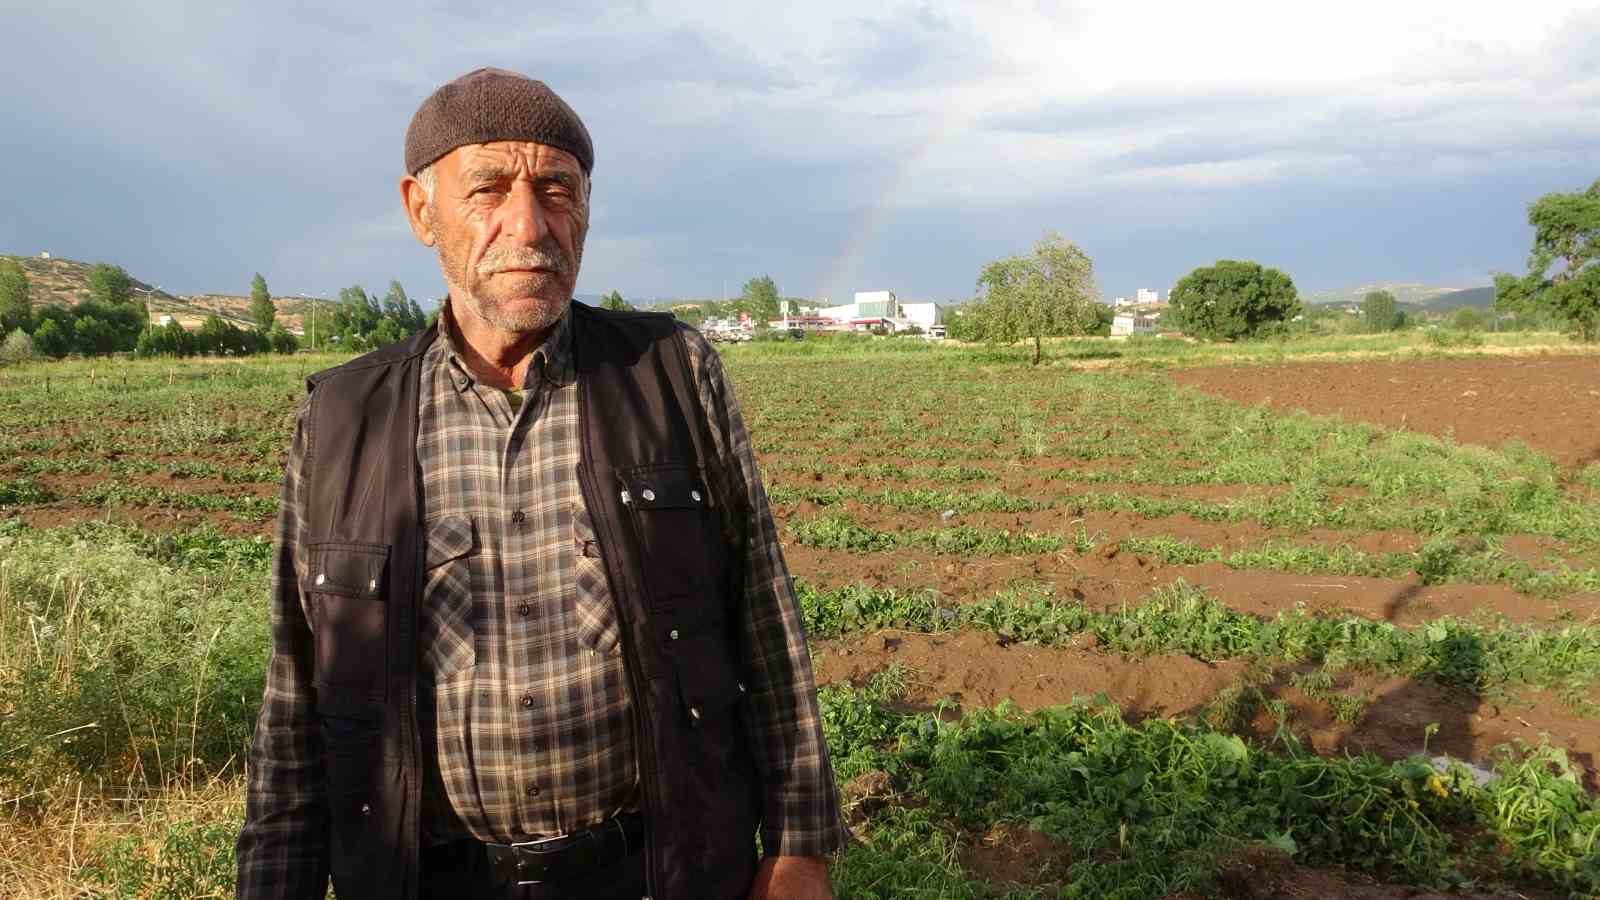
(494, 105)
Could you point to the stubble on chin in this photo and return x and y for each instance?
(522, 321)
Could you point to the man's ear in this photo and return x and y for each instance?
(414, 197)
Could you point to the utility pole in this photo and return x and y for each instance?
(313, 301)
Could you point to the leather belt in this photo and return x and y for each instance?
(558, 858)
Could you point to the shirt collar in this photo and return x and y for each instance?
(552, 360)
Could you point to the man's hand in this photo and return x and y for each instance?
(792, 878)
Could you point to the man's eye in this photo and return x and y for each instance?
(483, 189)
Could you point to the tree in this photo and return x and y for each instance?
(170, 339)
(1566, 230)
(51, 339)
(614, 301)
(1233, 299)
(262, 312)
(759, 298)
(1379, 313)
(17, 348)
(403, 310)
(110, 285)
(1049, 293)
(1467, 318)
(355, 317)
(690, 313)
(16, 310)
(281, 340)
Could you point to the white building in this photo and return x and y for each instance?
(1120, 302)
(1124, 324)
(922, 315)
(1146, 295)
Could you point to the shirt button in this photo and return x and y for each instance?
(527, 701)
(518, 517)
(533, 790)
(524, 609)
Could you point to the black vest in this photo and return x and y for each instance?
(643, 467)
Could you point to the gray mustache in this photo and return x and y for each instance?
(542, 257)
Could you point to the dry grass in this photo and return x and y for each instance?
(71, 843)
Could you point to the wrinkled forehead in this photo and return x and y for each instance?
(512, 159)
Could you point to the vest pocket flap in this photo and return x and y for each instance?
(351, 570)
(708, 680)
(666, 487)
(449, 538)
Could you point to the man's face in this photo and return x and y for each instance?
(509, 220)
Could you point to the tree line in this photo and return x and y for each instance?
(1051, 291)
(112, 318)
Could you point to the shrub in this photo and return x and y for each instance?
(18, 348)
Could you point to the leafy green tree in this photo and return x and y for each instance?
(389, 331)
(170, 339)
(759, 298)
(262, 311)
(614, 301)
(355, 316)
(281, 340)
(110, 284)
(690, 313)
(404, 311)
(16, 310)
(1048, 293)
(1233, 299)
(51, 339)
(1467, 318)
(1566, 231)
(17, 348)
(1379, 312)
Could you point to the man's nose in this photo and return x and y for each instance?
(524, 219)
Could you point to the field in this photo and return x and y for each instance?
(1154, 620)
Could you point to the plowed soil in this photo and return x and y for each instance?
(1550, 403)
(978, 670)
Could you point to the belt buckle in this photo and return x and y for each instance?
(516, 858)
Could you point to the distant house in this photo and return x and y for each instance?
(1124, 324)
(44, 254)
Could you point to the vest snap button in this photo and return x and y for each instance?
(695, 496)
(647, 494)
(322, 579)
(694, 711)
(372, 585)
(366, 809)
(673, 634)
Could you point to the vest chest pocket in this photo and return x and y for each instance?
(347, 588)
(684, 557)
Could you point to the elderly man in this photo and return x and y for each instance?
(533, 634)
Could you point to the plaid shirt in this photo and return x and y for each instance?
(522, 687)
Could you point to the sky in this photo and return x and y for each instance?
(837, 146)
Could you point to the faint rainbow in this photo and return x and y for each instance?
(834, 283)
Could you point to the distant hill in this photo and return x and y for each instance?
(1405, 292)
(1480, 297)
(66, 282)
